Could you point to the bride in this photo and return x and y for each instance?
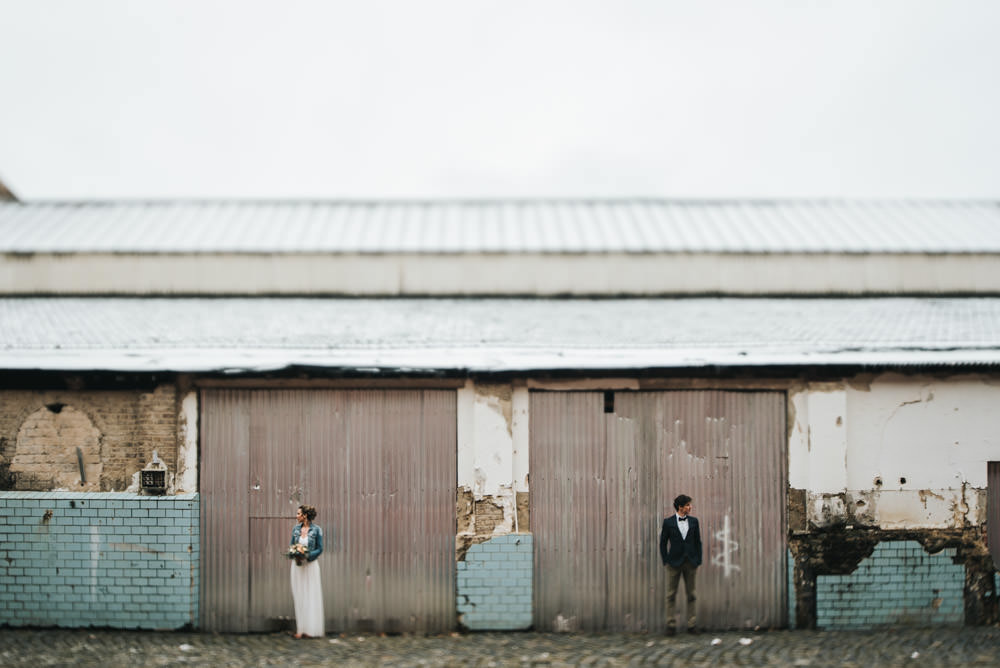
(307, 588)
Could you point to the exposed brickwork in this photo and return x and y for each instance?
(477, 519)
(488, 516)
(494, 584)
(116, 431)
(117, 560)
(61, 445)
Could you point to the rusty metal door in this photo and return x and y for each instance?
(604, 472)
(380, 468)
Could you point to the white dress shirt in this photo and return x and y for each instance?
(683, 526)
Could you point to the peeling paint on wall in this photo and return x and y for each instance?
(895, 509)
(523, 516)
(922, 432)
(485, 438)
(498, 398)
(906, 451)
(481, 518)
(839, 551)
(900, 458)
(493, 461)
(186, 480)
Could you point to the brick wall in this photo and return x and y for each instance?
(790, 560)
(494, 584)
(98, 559)
(116, 433)
(899, 584)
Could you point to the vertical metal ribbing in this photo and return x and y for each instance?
(568, 509)
(993, 510)
(224, 586)
(380, 468)
(726, 450)
(601, 485)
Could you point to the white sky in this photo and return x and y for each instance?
(112, 99)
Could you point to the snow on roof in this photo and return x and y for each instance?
(514, 226)
(491, 335)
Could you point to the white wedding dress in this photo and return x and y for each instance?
(307, 592)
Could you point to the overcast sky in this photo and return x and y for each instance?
(324, 99)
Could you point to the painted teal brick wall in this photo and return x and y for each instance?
(494, 584)
(791, 590)
(899, 584)
(98, 559)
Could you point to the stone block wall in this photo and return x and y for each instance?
(99, 559)
(899, 584)
(494, 584)
(45, 436)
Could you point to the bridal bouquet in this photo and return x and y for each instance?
(297, 552)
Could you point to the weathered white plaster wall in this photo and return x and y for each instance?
(186, 480)
(896, 452)
(818, 445)
(486, 452)
(520, 402)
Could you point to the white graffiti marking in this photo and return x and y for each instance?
(723, 557)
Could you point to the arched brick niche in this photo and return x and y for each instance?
(57, 447)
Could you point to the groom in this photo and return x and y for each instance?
(680, 548)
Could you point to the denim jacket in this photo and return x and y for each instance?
(315, 545)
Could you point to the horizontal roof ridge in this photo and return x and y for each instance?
(627, 225)
(495, 201)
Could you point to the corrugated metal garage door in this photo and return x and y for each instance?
(602, 482)
(993, 510)
(380, 468)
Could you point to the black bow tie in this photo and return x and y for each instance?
(682, 519)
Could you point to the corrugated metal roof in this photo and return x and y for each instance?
(492, 334)
(629, 226)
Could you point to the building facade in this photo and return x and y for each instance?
(495, 462)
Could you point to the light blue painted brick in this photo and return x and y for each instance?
(65, 599)
(896, 583)
(495, 593)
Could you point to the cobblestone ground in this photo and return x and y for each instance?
(913, 647)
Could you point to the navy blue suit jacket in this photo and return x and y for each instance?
(674, 549)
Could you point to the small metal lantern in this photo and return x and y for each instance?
(153, 478)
